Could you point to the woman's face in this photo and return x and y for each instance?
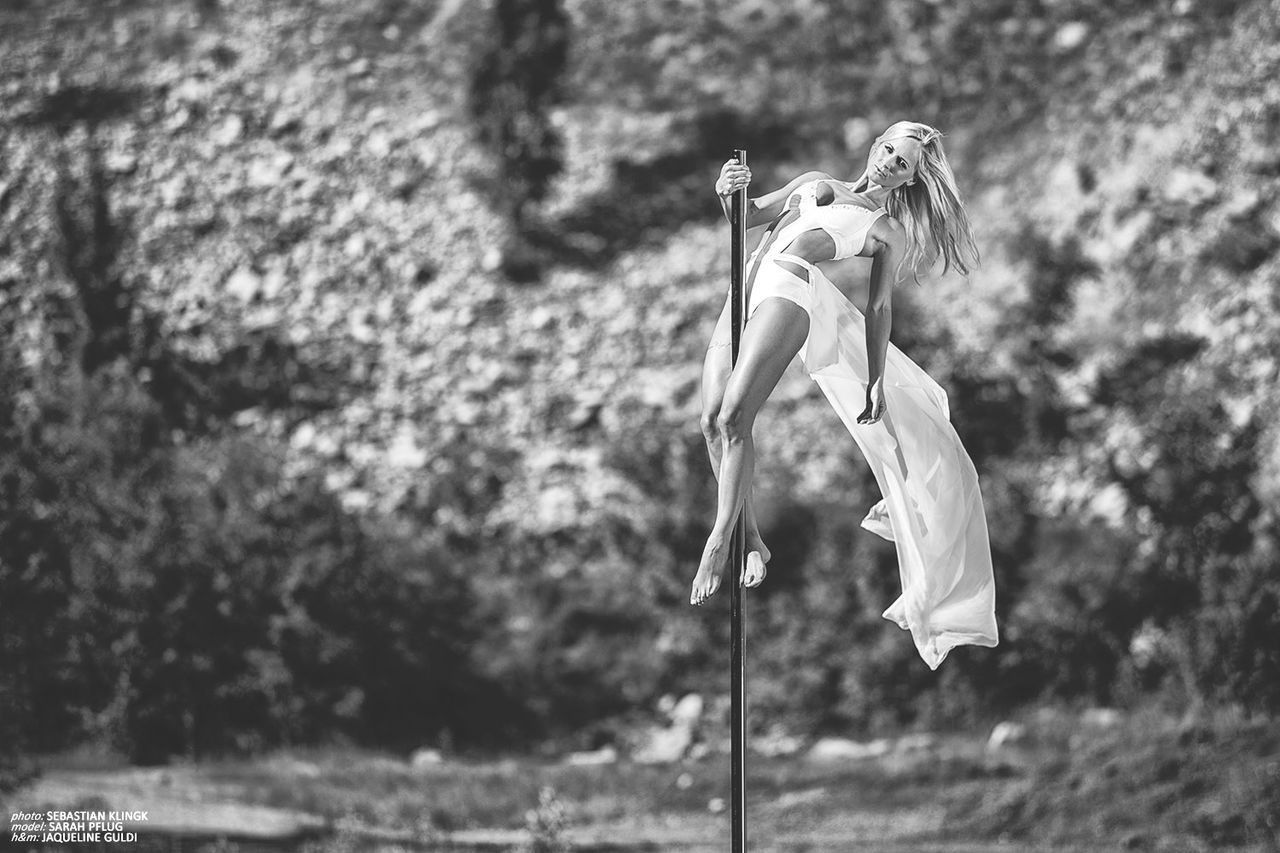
(892, 162)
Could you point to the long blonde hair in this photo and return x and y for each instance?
(930, 207)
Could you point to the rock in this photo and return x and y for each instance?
(243, 284)
(229, 131)
(177, 120)
(1006, 733)
(383, 765)
(542, 318)
(192, 90)
(586, 415)
(915, 743)
(295, 767)
(777, 743)
(356, 246)
(1261, 156)
(425, 757)
(688, 711)
(591, 758)
(665, 746)
(1101, 718)
(378, 144)
(1071, 35)
(404, 185)
(404, 452)
(284, 122)
(427, 120)
(1245, 204)
(843, 749)
(1189, 187)
(270, 171)
(276, 278)
(427, 153)
(492, 259)
(173, 192)
(303, 436)
(122, 162)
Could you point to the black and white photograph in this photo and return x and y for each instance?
(640, 426)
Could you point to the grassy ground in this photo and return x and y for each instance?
(1144, 784)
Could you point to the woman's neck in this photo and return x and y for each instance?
(873, 191)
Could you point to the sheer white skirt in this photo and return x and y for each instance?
(932, 507)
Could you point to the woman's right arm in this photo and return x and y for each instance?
(765, 208)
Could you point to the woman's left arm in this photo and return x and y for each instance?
(891, 248)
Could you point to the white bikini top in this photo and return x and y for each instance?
(807, 195)
(804, 197)
(847, 224)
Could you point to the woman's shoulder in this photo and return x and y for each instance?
(888, 231)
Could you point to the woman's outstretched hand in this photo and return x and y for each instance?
(875, 403)
(733, 177)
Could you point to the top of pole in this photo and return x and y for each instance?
(737, 218)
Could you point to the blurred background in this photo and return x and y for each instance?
(349, 382)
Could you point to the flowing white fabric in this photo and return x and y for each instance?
(932, 508)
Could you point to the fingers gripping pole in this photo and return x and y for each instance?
(738, 556)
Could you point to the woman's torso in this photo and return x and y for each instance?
(847, 223)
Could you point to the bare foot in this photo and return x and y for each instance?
(707, 580)
(757, 556)
(755, 571)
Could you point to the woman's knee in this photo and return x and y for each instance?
(708, 423)
(733, 421)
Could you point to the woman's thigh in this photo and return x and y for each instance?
(777, 330)
(717, 363)
(715, 375)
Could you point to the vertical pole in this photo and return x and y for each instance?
(738, 555)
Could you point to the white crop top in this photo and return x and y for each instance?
(846, 223)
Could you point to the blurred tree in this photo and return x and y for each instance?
(516, 82)
(1188, 472)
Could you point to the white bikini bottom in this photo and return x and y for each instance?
(777, 277)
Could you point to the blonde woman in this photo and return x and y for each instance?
(904, 213)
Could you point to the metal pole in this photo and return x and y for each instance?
(738, 553)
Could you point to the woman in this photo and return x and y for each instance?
(903, 212)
